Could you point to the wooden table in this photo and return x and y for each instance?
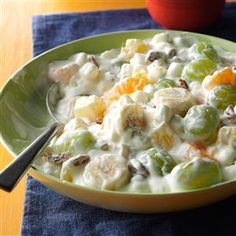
(15, 50)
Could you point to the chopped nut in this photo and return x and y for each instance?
(99, 120)
(183, 84)
(229, 111)
(171, 52)
(125, 151)
(58, 158)
(229, 116)
(135, 120)
(104, 147)
(137, 168)
(81, 160)
(93, 60)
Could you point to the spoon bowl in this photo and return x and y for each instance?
(51, 100)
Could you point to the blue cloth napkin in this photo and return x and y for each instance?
(48, 213)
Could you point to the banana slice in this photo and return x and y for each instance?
(106, 172)
(132, 126)
(132, 117)
(89, 108)
(125, 123)
(179, 99)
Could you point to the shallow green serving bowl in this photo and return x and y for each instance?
(24, 116)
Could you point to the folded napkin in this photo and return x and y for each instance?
(48, 213)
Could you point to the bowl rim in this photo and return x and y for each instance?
(92, 189)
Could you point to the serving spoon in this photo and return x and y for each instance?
(11, 174)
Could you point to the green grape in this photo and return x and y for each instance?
(197, 173)
(204, 49)
(165, 83)
(75, 142)
(120, 63)
(163, 161)
(201, 123)
(198, 69)
(222, 96)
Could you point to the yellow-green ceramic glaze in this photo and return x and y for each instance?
(24, 116)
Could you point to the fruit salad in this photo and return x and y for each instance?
(154, 116)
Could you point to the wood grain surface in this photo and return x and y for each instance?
(15, 50)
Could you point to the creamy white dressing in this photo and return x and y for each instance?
(128, 118)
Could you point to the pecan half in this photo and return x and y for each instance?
(183, 84)
(99, 120)
(135, 120)
(125, 151)
(58, 158)
(81, 160)
(104, 147)
(93, 60)
(155, 56)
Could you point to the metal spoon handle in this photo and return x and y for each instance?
(11, 175)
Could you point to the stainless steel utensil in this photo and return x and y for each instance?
(11, 175)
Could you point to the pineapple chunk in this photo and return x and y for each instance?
(89, 108)
(164, 137)
(89, 71)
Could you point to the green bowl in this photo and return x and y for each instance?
(24, 116)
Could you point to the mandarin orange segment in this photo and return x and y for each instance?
(224, 76)
(200, 149)
(127, 86)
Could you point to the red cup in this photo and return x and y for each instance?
(185, 14)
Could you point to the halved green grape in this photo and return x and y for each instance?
(201, 123)
(204, 49)
(120, 63)
(75, 142)
(197, 173)
(222, 96)
(198, 69)
(165, 83)
(163, 160)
